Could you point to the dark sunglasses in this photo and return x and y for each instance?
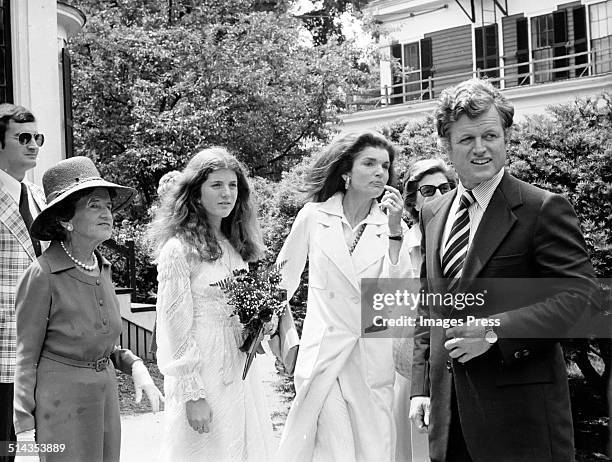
(25, 138)
(429, 190)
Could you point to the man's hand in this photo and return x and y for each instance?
(419, 412)
(466, 342)
(199, 415)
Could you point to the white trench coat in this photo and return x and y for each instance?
(331, 347)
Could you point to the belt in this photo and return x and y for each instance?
(98, 365)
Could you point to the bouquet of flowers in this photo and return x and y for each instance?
(257, 299)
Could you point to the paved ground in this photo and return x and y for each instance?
(141, 433)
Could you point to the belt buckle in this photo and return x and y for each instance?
(100, 364)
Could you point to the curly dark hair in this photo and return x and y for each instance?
(472, 97)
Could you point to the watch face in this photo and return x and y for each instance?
(490, 336)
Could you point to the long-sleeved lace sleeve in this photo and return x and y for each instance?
(178, 354)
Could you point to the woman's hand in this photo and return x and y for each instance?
(270, 327)
(143, 381)
(393, 204)
(199, 415)
(28, 436)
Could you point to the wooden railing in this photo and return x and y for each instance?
(597, 61)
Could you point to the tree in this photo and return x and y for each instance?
(151, 87)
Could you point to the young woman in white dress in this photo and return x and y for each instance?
(344, 383)
(205, 228)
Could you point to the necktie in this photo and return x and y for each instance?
(456, 246)
(24, 210)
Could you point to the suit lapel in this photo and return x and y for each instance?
(10, 217)
(434, 232)
(496, 223)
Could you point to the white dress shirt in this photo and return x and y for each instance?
(483, 194)
(13, 187)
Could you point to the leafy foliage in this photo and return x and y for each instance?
(152, 87)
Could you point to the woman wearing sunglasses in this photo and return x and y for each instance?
(426, 180)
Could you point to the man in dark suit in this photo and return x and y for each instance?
(496, 391)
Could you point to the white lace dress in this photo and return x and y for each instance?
(198, 354)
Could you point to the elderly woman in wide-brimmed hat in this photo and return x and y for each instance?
(68, 322)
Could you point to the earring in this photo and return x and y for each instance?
(69, 227)
(347, 182)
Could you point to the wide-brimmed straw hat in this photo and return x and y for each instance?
(66, 178)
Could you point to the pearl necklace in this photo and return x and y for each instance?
(79, 262)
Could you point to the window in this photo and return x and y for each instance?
(549, 41)
(542, 40)
(6, 68)
(542, 31)
(600, 17)
(487, 52)
(410, 72)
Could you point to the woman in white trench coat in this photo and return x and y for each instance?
(344, 383)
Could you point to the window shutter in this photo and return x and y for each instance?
(67, 86)
(522, 50)
(580, 40)
(559, 47)
(426, 66)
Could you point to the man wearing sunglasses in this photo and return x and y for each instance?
(20, 202)
(496, 391)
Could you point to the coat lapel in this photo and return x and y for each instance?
(332, 240)
(10, 217)
(496, 223)
(373, 243)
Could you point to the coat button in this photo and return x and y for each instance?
(97, 282)
(449, 366)
(518, 354)
(355, 299)
(332, 295)
(101, 302)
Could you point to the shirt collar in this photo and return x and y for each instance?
(12, 186)
(333, 206)
(60, 261)
(484, 191)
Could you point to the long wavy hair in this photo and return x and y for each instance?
(182, 215)
(324, 178)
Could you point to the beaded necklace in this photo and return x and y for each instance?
(357, 237)
(79, 262)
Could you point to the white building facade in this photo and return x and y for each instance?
(36, 70)
(538, 52)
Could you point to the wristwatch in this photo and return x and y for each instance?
(490, 335)
(397, 237)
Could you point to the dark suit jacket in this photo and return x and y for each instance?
(513, 401)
